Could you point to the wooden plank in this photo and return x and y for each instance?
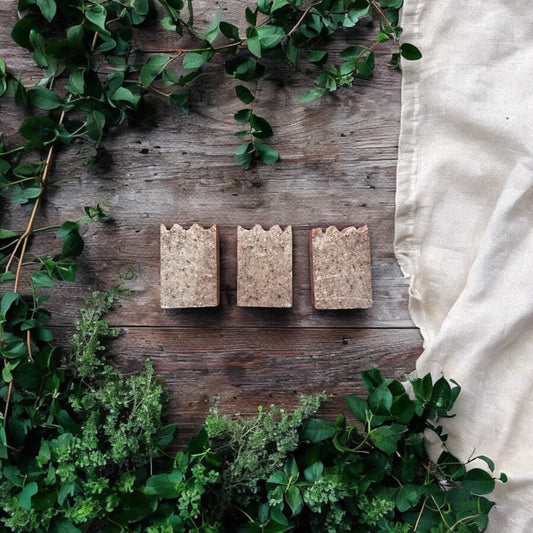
(260, 366)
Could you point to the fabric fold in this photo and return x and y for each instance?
(464, 227)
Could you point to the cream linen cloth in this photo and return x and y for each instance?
(464, 226)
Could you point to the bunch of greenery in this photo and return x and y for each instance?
(72, 40)
(82, 450)
(281, 471)
(75, 434)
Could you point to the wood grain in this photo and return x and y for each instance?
(338, 166)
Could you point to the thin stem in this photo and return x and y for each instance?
(12, 151)
(301, 19)
(28, 345)
(381, 13)
(11, 183)
(9, 393)
(420, 514)
(23, 241)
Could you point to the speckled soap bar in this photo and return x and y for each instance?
(189, 267)
(341, 277)
(264, 267)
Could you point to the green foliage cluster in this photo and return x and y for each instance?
(72, 40)
(77, 433)
(81, 449)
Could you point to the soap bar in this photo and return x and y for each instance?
(189, 267)
(264, 267)
(341, 275)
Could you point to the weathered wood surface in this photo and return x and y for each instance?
(338, 168)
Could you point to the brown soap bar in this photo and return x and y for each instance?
(340, 268)
(189, 267)
(264, 267)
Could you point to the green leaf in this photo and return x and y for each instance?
(394, 4)
(291, 51)
(3, 81)
(76, 84)
(8, 234)
(380, 400)
(408, 497)
(194, 60)
(314, 94)
(410, 52)
(244, 155)
(252, 41)
(38, 130)
(487, 460)
(152, 68)
(38, 45)
(244, 94)
(44, 98)
(212, 31)
(73, 242)
(7, 376)
(67, 489)
(19, 93)
(441, 394)
(270, 36)
(278, 478)
(21, 30)
(165, 435)
(294, 499)
(28, 376)
(164, 485)
(3, 443)
(358, 407)
(141, 7)
(96, 212)
(317, 429)
(386, 437)
(423, 387)
(8, 300)
(63, 525)
(42, 279)
(243, 115)
(25, 496)
(314, 472)
(260, 127)
(267, 154)
(96, 14)
(278, 4)
(450, 466)
(243, 68)
(251, 16)
(316, 56)
(95, 125)
(48, 9)
(229, 30)
(65, 270)
(365, 67)
(180, 100)
(126, 98)
(478, 481)
(371, 378)
(66, 228)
